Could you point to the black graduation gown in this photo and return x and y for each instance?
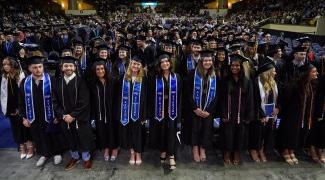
(74, 100)
(116, 72)
(317, 135)
(293, 129)
(48, 138)
(101, 112)
(163, 133)
(197, 129)
(20, 133)
(261, 135)
(292, 72)
(131, 136)
(148, 58)
(233, 135)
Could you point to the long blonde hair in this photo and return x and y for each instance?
(128, 74)
(267, 80)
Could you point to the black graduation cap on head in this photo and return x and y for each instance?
(283, 43)
(68, 59)
(136, 58)
(35, 60)
(266, 65)
(207, 53)
(299, 49)
(98, 59)
(196, 42)
(66, 49)
(221, 49)
(303, 39)
(141, 38)
(124, 47)
(235, 47)
(164, 55)
(251, 43)
(168, 42)
(31, 47)
(102, 46)
(210, 38)
(238, 57)
(8, 32)
(78, 42)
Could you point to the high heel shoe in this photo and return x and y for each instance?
(288, 159)
(22, 151)
(172, 163)
(132, 159)
(30, 154)
(294, 159)
(138, 160)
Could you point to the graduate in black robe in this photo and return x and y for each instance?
(261, 129)
(38, 116)
(74, 109)
(317, 134)
(101, 91)
(222, 63)
(131, 121)
(83, 60)
(292, 65)
(10, 105)
(164, 120)
(121, 63)
(237, 110)
(298, 108)
(202, 105)
(188, 64)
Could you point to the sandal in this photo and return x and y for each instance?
(288, 159)
(226, 158)
(294, 159)
(254, 156)
(132, 158)
(22, 150)
(162, 157)
(263, 157)
(313, 155)
(172, 163)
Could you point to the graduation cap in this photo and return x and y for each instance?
(136, 58)
(168, 42)
(207, 53)
(163, 55)
(196, 42)
(8, 32)
(102, 46)
(77, 42)
(303, 39)
(221, 49)
(251, 43)
(35, 60)
(267, 65)
(141, 38)
(238, 57)
(31, 47)
(124, 47)
(235, 47)
(283, 43)
(210, 38)
(299, 49)
(67, 49)
(273, 49)
(68, 59)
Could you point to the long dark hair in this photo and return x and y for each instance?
(242, 79)
(94, 77)
(160, 71)
(15, 70)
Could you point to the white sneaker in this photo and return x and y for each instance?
(57, 159)
(41, 161)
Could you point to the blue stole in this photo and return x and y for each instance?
(198, 88)
(172, 103)
(47, 97)
(132, 100)
(83, 63)
(121, 68)
(189, 63)
(8, 46)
